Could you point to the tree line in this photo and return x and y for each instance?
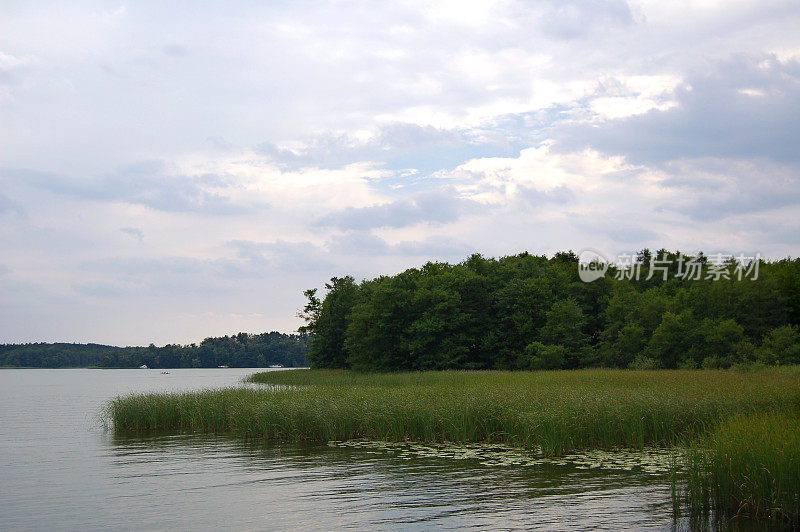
(240, 350)
(534, 312)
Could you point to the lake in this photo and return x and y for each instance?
(61, 469)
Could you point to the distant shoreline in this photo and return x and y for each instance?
(241, 350)
(100, 367)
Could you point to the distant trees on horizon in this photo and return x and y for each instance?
(239, 350)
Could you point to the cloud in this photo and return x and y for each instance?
(134, 232)
(152, 184)
(7, 205)
(746, 107)
(139, 267)
(12, 70)
(619, 228)
(363, 243)
(578, 18)
(535, 197)
(282, 255)
(713, 188)
(358, 243)
(251, 262)
(437, 207)
(395, 146)
(175, 50)
(9, 62)
(106, 289)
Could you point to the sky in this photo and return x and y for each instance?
(173, 171)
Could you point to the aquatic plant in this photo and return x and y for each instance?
(748, 467)
(556, 412)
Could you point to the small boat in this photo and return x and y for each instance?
(276, 366)
(143, 366)
(223, 367)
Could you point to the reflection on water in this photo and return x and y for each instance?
(324, 486)
(59, 470)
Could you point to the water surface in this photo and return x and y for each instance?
(60, 469)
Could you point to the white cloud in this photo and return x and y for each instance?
(632, 95)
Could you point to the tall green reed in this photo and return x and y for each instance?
(748, 467)
(556, 412)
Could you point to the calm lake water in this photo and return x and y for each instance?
(61, 470)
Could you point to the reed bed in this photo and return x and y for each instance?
(749, 467)
(555, 412)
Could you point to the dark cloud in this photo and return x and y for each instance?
(576, 19)
(281, 255)
(178, 277)
(628, 234)
(719, 188)
(174, 50)
(535, 197)
(364, 243)
(786, 234)
(396, 146)
(186, 271)
(167, 266)
(618, 227)
(435, 248)
(732, 202)
(106, 289)
(147, 183)
(439, 206)
(134, 232)
(7, 205)
(744, 108)
(257, 264)
(358, 243)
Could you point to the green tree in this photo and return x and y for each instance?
(328, 322)
(717, 339)
(540, 356)
(376, 338)
(564, 326)
(780, 346)
(672, 340)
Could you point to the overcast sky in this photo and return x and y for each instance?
(172, 171)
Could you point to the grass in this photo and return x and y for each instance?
(556, 412)
(749, 466)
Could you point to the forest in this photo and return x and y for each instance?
(663, 310)
(241, 350)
